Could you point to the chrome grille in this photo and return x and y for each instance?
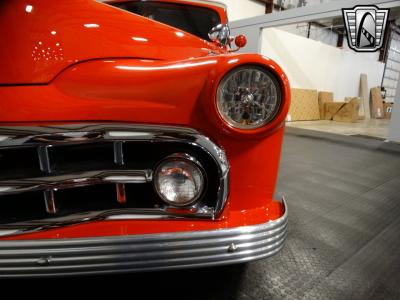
(83, 172)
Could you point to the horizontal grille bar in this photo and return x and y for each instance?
(17, 136)
(56, 182)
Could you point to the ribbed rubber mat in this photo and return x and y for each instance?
(343, 195)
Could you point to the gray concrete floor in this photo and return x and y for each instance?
(344, 232)
(374, 127)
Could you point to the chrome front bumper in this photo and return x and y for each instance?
(150, 252)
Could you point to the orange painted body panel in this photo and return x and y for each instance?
(38, 45)
(170, 81)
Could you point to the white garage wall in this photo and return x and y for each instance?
(241, 9)
(313, 65)
(317, 33)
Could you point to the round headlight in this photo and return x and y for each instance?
(248, 97)
(179, 181)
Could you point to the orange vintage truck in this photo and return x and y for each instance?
(133, 137)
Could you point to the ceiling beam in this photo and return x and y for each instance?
(309, 13)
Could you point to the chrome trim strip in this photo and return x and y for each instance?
(44, 161)
(74, 180)
(164, 213)
(150, 252)
(118, 153)
(49, 202)
(216, 3)
(15, 136)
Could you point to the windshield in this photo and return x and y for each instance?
(193, 19)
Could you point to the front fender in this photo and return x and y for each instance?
(169, 93)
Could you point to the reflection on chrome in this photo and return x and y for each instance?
(128, 134)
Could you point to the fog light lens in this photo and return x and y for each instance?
(179, 181)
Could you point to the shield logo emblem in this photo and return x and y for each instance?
(365, 27)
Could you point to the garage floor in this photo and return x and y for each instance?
(373, 127)
(344, 236)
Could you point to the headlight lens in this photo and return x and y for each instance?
(179, 181)
(248, 97)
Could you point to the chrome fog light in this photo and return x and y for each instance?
(179, 180)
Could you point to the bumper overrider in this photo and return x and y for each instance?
(149, 252)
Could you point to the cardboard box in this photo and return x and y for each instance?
(304, 105)
(361, 115)
(324, 97)
(387, 110)
(348, 99)
(331, 108)
(349, 112)
(377, 111)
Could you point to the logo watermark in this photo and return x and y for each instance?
(365, 26)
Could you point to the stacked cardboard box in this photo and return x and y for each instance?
(332, 108)
(304, 105)
(324, 97)
(349, 111)
(359, 100)
(387, 110)
(310, 105)
(376, 103)
(343, 111)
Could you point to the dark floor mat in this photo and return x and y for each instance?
(343, 194)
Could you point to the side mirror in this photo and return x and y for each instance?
(220, 34)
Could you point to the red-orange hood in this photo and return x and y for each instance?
(42, 38)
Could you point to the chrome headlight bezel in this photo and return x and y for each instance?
(180, 158)
(276, 88)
